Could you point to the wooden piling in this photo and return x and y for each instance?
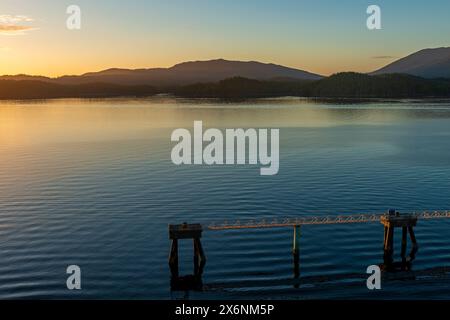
(295, 244)
(415, 247)
(406, 222)
(186, 231)
(296, 252)
(173, 258)
(199, 257)
(404, 243)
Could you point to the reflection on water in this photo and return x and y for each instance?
(91, 183)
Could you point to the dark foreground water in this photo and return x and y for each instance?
(91, 183)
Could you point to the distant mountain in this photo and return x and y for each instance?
(427, 63)
(182, 74)
(216, 70)
(424, 74)
(20, 77)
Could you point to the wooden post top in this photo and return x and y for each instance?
(185, 231)
(398, 220)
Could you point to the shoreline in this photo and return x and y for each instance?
(156, 97)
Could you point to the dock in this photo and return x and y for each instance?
(390, 220)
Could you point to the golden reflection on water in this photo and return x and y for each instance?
(42, 122)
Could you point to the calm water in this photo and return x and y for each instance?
(91, 183)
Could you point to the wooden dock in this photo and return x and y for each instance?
(390, 220)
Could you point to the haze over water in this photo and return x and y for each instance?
(91, 182)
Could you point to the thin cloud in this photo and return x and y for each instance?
(9, 19)
(15, 25)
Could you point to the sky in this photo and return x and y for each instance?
(320, 36)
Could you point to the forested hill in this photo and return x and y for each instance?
(31, 89)
(356, 85)
(341, 85)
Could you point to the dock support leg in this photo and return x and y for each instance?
(196, 257)
(404, 242)
(199, 257)
(389, 247)
(192, 232)
(202, 256)
(295, 246)
(296, 252)
(385, 237)
(415, 247)
(406, 223)
(173, 258)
